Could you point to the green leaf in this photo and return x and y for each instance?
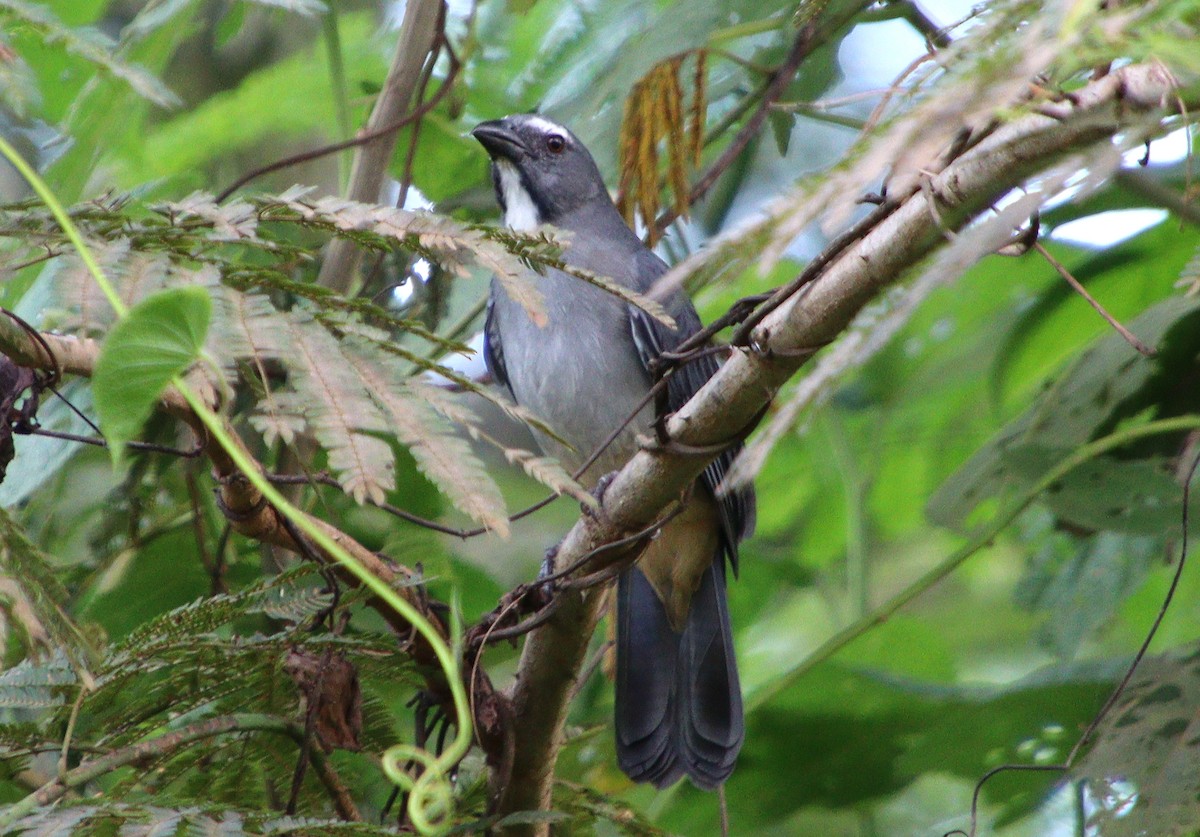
(92, 46)
(287, 100)
(1107, 383)
(158, 340)
(34, 602)
(1079, 583)
(1141, 771)
(230, 25)
(781, 128)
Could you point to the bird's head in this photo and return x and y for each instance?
(541, 171)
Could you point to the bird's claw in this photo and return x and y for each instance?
(545, 575)
(598, 492)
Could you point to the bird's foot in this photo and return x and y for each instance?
(546, 577)
(547, 568)
(598, 492)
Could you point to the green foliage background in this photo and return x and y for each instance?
(998, 377)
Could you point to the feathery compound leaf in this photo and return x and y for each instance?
(446, 459)
(31, 597)
(427, 391)
(72, 288)
(544, 469)
(544, 249)
(442, 239)
(246, 326)
(158, 340)
(650, 306)
(33, 685)
(337, 407)
(205, 615)
(548, 471)
(233, 221)
(90, 45)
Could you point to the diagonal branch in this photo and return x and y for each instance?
(777, 348)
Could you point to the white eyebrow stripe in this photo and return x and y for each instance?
(545, 125)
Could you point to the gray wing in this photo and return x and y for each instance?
(493, 348)
(652, 338)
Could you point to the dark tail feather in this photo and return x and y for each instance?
(678, 702)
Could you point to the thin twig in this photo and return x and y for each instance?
(207, 559)
(362, 138)
(812, 270)
(893, 89)
(64, 755)
(1147, 187)
(560, 581)
(835, 101)
(315, 696)
(149, 447)
(168, 742)
(1129, 336)
(589, 668)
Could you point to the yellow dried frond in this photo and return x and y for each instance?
(699, 106)
(655, 115)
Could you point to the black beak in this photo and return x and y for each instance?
(500, 140)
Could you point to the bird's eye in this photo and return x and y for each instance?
(555, 144)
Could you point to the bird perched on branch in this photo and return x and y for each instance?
(585, 371)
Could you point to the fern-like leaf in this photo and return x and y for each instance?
(444, 239)
(335, 405)
(35, 600)
(446, 459)
(546, 470)
(234, 221)
(543, 248)
(35, 685)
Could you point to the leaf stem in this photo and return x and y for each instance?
(60, 214)
(431, 793)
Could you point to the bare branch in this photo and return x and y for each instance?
(1078, 287)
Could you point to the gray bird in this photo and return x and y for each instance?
(678, 703)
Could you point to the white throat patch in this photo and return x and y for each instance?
(520, 212)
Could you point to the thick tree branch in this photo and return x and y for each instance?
(781, 343)
(418, 31)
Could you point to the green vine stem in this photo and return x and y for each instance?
(431, 794)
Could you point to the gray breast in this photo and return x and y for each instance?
(580, 372)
